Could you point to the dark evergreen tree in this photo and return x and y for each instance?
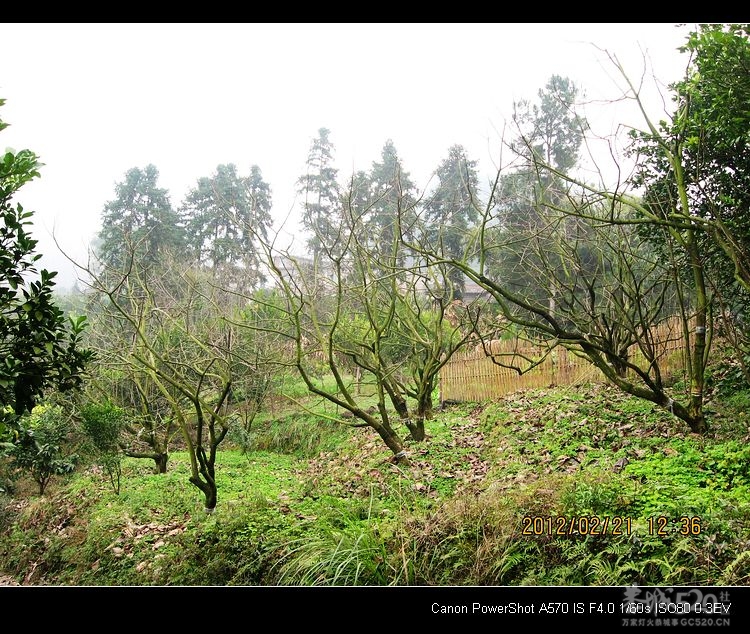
(549, 132)
(391, 207)
(451, 209)
(139, 227)
(223, 215)
(321, 196)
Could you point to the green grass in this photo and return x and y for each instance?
(314, 502)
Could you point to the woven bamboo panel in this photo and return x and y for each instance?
(486, 372)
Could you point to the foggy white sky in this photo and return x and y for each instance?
(94, 100)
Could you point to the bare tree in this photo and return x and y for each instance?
(177, 345)
(370, 310)
(589, 249)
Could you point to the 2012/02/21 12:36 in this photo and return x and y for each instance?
(608, 525)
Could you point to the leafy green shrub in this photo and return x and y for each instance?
(103, 425)
(41, 449)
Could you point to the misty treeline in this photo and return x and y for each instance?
(199, 311)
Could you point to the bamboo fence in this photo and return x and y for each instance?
(486, 372)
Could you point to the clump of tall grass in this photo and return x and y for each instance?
(303, 435)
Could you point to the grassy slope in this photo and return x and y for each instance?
(492, 498)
